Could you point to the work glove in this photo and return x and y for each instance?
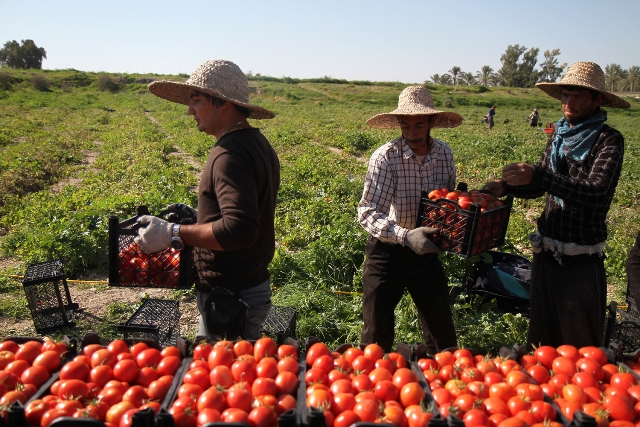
(418, 240)
(181, 208)
(155, 235)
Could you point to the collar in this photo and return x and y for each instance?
(407, 152)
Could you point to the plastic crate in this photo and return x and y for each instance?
(622, 328)
(156, 319)
(280, 323)
(47, 292)
(464, 232)
(131, 266)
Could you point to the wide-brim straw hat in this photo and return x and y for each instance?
(219, 78)
(415, 101)
(588, 75)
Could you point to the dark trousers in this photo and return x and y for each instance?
(633, 273)
(568, 301)
(390, 269)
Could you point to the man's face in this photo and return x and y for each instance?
(578, 104)
(204, 113)
(415, 130)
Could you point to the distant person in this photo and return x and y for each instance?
(234, 239)
(578, 172)
(534, 117)
(399, 256)
(490, 114)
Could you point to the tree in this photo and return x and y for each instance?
(550, 70)
(27, 55)
(455, 71)
(468, 79)
(613, 76)
(446, 79)
(633, 78)
(484, 75)
(518, 74)
(435, 79)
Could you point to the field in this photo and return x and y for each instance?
(76, 150)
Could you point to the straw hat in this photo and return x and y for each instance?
(415, 101)
(219, 78)
(588, 75)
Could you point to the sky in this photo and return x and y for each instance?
(396, 40)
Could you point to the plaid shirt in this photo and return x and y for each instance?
(586, 188)
(389, 205)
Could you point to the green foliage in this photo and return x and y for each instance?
(106, 83)
(25, 55)
(40, 82)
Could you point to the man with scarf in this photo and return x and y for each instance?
(578, 172)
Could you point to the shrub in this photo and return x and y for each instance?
(106, 83)
(40, 82)
(448, 102)
(5, 81)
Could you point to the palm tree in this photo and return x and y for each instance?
(455, 71)
(435, 79)
(484, 75)
(468, 79)
(446, 79)
(613, 74)
(633, 78)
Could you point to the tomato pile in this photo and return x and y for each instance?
(486, 391)
(108, 383)
(241, 382)
(25, 367)
(364, 385)
(582, 379)
(464, 199)
(157, 269)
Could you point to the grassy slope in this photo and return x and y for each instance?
(320, 245)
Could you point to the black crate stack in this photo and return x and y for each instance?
(281, 321)
(156, 319)
(47, 292)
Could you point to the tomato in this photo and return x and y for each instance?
(51, 415)
(207, 415)
(125, 370)
(351, 353)
(444, 358)
(183, 417)
(568, 408)
(111, 395)
(220, 356)
(287, 350)
(517, 404)
(137, 348)
(380, 374)
(263, 416)
(267, 367)
(448, 372)
(201, 351)
(244, 370)
(373, 352)
(619, 407)
(569, 352)
(136, 395)
(346, 419)
(403, 376)
(9, 345)
(89, 349)
(514, 378)
(315, 376)
(240, 397)
(73, 389)
(316, 350)
(36, 375)
(543, 411)
(324, 363)
(539, 373)
(508, 365)
(288, 364)
(623, 380)
(563, 365)
(13, 396)
(411, 394)
(75, 370)
(362, 364)
(149, 357)
(235, 415)
(35, 410)
(560, 380)
(103, 357)
(362, 382)
(222, 376)
(367, 410)
(286, 382)
(69, 406)
(530, 391)
(495, 405)
(464, 362)
(475, 417)
(584, 380)
(28, 353)
(386, 390)
(594, 353)
(545, 355)
(265, 347)
(199, 376)
(502, 391)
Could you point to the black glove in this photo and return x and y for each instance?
(183, 210)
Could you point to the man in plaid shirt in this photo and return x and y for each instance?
(400, 256)
(579, 172)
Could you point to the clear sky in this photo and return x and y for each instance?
(394, 40)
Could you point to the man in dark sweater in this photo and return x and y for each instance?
(234, 238)
(579, 172)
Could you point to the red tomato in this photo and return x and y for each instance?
(35, 410)
(362, 382)
(264, 347)
(13, 396)
(125, 370)
(201, 351)
(117, 347)
(138, 348)
(315, 351)
(168, 365)
(36, 375)
(171, 350)
(367, 410)
(324, 363)
(267, 367)
(568, 351)
(624, 380)
(75, 370)
(475, 417)
(222, 376)
(594, 353)
(235, 415)
(240, 397)
(495, 405)
(543, 411)
(386, 390)
(158, 389)
(351, 353)
(208, 415)
(51, 415)
(619, 407)
(411, 394)
(29, 351)
(69, 406)
(317, 376)
(373, 352)
(212, 398)
(9, 345)
(287, 350)
(287, 383)
(103, 357)
(263, 416)
(545, 355)
(136, 395)
(563, 365)
(149, 358)
(50, 359)
(288, 364)
(73, 389)
(89, 349)
(199, 376)
(539, 373)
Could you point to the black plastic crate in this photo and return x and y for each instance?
(622, 328)
(464, 232)
(156, 319)
(131, 266)
(47, 292)
(280, 322)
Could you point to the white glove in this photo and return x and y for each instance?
(418, 240)
(155, 236)
(181, 207)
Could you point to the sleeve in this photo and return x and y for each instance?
(375, 204)
(237, 195)
(633, 271)
(534, 189)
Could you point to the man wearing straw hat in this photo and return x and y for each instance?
(234, 238)
(578, 172)
(400, 256)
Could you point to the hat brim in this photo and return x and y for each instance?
(180, 93)
(443, 119)
(610, 100)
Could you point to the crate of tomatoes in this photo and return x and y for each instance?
(243, 382)
(131, 266)
(119, 383)
(468, 222)
(361, 384)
